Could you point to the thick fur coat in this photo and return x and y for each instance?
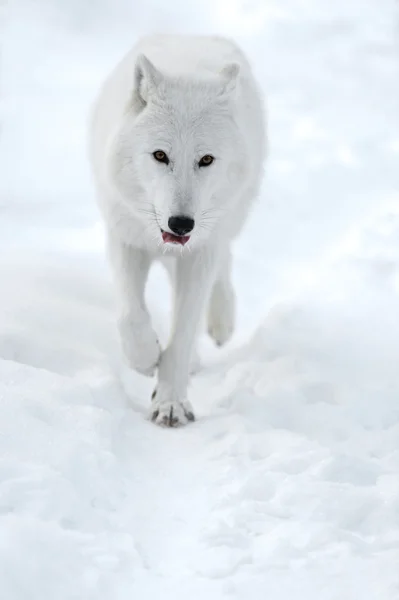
(177, 146)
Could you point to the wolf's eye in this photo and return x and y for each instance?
(206, 161)
(160, 156)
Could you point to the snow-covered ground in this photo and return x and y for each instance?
(287, 485)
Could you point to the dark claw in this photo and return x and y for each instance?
(154, 415)
(190, 416)
(167, 422)
(154, 393)
(172, 421)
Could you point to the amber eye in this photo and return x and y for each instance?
(206, 161)
(160, 156)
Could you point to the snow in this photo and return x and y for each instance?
(287, 484)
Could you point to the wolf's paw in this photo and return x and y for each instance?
(140, 346)
(169, 411)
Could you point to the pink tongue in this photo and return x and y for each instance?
(175, 239)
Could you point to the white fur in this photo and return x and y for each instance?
(188, 96)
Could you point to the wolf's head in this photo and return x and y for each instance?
(179, 156)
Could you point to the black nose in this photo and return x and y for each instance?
(181, 225)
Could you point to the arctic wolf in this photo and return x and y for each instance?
(177, 144)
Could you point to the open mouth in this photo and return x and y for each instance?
(171, 238)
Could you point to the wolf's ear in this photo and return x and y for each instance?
(229, 77)
(146, 79)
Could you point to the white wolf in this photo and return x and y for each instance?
(177, 146)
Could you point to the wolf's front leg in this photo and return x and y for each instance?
(194, 277)
(139, 340)
(221, 307)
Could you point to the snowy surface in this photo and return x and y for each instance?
(287, 485)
